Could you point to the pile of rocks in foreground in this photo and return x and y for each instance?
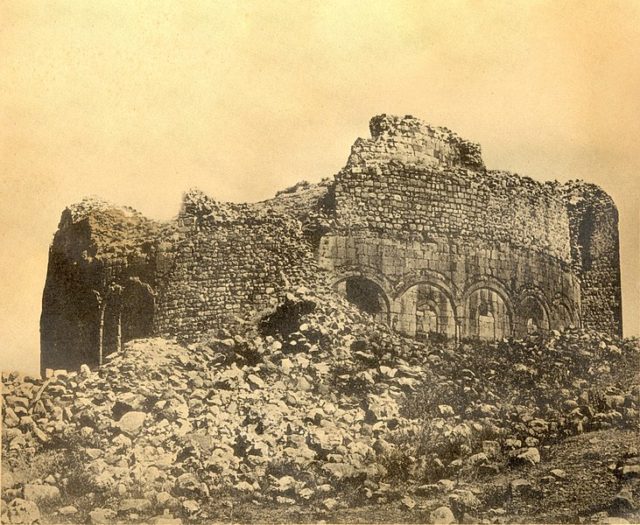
(163, 426)
(314, 407)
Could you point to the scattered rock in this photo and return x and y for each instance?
(442, 516)
(7, 479)
(330, 503)
(101, 516)
(131, 423)
(530, 456)
(191, 506)
(623, 502)
(22, 511)
(408, 502)
(187, 485)
(41, 493)
(521, 487)
(630, 471)
(165, 519)
(134, 505)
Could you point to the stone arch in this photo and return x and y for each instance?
(365, 292)
(563, 315)
(414, 302)
(487, 310)
(532, 312)
(344, 272)
(426, 276)
(126, 313)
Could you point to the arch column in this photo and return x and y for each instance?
(488, 298)
(459, 322)
(411, 296)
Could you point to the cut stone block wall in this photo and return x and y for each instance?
(458, 277)
(414, 230)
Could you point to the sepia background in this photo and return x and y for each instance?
(138, 101)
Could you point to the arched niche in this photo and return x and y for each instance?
(425, 308)
(127, 313)
(366, 294)
(427, 319)
(487, 314)
(562, 316)
(531, 316)
(138, 305)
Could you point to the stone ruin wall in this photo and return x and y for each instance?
(180, 278)
(446, 239)
(595, 251)
(230, 258)
(414, 230)
(96, 250)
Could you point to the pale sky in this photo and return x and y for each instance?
(137, 101)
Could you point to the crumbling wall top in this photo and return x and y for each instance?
(413, 142)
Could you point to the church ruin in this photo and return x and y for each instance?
(413, 230)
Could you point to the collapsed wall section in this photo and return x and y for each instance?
(229, 259)
(595, 251)
(413, 142)
(114, 275)
(97, 246)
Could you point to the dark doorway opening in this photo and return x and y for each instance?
(137, 311)
(367, 296)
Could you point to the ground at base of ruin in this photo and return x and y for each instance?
(315, 413)
(587, 493)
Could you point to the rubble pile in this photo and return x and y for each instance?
(314, 407)
(514, 396)
(286, 417)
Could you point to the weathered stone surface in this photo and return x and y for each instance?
(101, 516)
(442, 516)
(68, 510)
(23, 512)
(41, 493)
(530, 456)
(131, 423)
(433, 241)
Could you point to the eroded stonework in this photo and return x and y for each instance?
(414, 230)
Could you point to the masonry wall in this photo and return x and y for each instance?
(453, 248)
(97, 247)
(414, 230)
(490, 206)
(114, 276)
(411, 141)
(595, 250)
(229, 259)
(458, 276)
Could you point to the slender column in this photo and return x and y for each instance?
(101, 306)
(119, 330)
(101, 334)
